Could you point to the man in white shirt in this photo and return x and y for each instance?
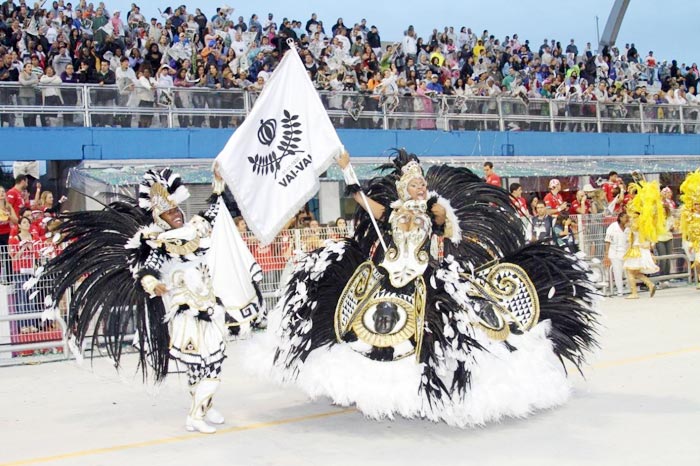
(409, 44)
(616, 245)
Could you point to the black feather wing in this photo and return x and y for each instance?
(491, 227)
(567, 298)
(105, 296)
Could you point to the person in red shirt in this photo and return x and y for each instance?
(631, 192)
(22, 249)
(491, 176)
(7, 219)
(18, 196)
(23, 253)
(581, 205)
(613, 181)
(519, 202)
(553, 200)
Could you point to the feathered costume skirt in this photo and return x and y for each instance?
(459, 373)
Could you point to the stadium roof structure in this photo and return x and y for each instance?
(90, 176)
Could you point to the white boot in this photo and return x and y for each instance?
(212, 415)
(200, 402)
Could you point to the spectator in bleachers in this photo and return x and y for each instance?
(51, 94)
(312, 237)
(630, 194)
(70, 96)
(613, 181)
(18, 195)
(667, 194)
(617, 204)
(564, 232)
(541, 223)
(533, 205)
(485, 65)
(7, 218)
(581, 205)
(554, 200)
(490, 175)
(241, 226)
(516, 191)
(23, 253)
(145, 87)
(27, 93)
(599, 202)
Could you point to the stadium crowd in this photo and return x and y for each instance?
(45, 46)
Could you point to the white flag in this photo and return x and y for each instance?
(273, 160)
(232, 266)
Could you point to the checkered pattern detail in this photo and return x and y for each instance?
(521, 304)
(211, 212)
(197, 372)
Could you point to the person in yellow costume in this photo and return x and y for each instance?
(647, 222)
(690, 218)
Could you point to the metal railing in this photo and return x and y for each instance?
(591, 241)
(23, 333)
(91, 105)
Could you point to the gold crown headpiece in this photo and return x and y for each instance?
(161, 191)
(409, 172)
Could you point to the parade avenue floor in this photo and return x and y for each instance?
(639, 404)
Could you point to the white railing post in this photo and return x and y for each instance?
(246, 102)
(552, 124)
(501, 122)
(680, 115)
(297, 239)
(597, 117)
(170, 116)
(86, 111)
(642, 128)
(385, 117)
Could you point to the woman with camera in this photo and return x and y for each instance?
(564, 232)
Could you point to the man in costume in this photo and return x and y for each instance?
(468, 336)
(179, 282)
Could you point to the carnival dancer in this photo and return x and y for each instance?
(647, 221)
(382, 322)
(177, 280)
(690, 219)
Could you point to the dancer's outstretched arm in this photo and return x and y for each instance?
(377, 210)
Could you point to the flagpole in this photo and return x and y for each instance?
(292, 46)
(369, 211)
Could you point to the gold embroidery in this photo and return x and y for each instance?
(177, 247)
(360, 300)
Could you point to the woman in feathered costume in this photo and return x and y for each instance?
(469, 337)
(690, 218)
(647, 223)
(139, 261)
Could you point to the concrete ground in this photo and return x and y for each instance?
(639, 405)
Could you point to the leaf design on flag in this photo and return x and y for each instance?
(272, 163)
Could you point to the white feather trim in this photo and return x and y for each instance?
(180, 195)
(456, 236)
(135, 241)
(504, 383)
